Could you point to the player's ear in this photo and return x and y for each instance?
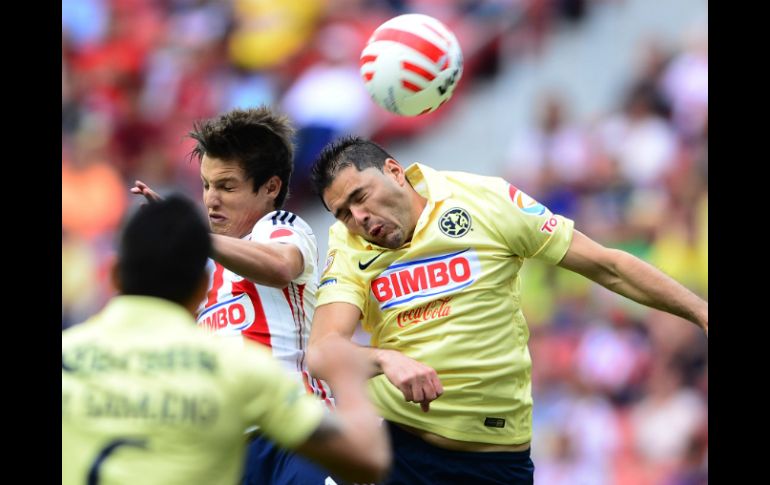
(115, 274)
(395, 170)
(272, 186)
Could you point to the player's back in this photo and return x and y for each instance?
(149, 398)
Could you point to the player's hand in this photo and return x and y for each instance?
(418, 382)
(141, 188)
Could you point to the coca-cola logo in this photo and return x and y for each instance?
(432, 310)
(425, 278)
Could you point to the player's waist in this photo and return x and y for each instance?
(457, 445)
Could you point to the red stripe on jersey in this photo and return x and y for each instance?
(280, 233)
(297, 324)
(259, 330)
(306, 381)
(411, 86)
(211, 297)
(302, 316)
(367, 58)
(423, 46)
(418, 70)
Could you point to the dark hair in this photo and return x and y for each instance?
(345, 152)
(258, 139)
(163, 250)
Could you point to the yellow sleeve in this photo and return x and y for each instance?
(274, 400)
(339, 281)
(528, 228)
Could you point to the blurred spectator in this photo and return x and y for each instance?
(666, 420)
(93, 193)
(552, 159)
(639, 139)
(685, 82)
(267, 33)
(328, 100)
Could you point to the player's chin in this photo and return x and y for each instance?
(392, 240)
(218, 228)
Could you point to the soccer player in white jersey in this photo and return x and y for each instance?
(263, 275)
(149, 399)
(429, 261)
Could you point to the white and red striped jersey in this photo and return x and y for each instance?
(278, 318)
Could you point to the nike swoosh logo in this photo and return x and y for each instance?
(363, 266)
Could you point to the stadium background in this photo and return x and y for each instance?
(597, 108)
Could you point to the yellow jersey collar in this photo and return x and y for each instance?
(430, 184)
(142, 311)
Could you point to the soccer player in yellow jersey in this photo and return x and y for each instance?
(149, 398)
(428, 261)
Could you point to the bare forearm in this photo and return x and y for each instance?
(372, 356)
(645, 284)
(259, 263)
(351, 441)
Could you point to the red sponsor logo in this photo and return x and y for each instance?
(235, 314)
(549, 225)
(430, 277)
(430, 311)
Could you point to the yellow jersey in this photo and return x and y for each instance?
(450, 299)
(149, 398)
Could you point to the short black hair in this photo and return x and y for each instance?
(345, 152)
(258, 139)
(163, 249)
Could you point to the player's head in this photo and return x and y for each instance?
(246, 159)
(366, 189)
(162, 252)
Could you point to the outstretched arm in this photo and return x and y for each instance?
(351, 441)
(633, 278)
(337, 321)
(269, 264)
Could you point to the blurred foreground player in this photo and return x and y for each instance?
(149, 398)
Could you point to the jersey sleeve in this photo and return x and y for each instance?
(288, 228)
(528, 228)
(338, 280)
(272, 399)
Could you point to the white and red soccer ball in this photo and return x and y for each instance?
(411, 64)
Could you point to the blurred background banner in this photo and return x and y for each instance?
(596, 108)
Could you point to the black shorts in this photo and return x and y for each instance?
(416, 462)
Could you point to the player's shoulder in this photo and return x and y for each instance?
(473, 186)
(283, 219)
(79, 333)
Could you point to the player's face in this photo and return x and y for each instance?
(233, 207)
(372, 204)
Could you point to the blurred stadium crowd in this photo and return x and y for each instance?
(620, 391)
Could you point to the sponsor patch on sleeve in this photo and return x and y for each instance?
(328, 281)
(525, 203)
(329, 260)
(549, 225)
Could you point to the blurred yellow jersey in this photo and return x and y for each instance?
(450, 299)
(148, 398)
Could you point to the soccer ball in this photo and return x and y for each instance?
(411, 64)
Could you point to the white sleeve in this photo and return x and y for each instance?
(288, 228)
